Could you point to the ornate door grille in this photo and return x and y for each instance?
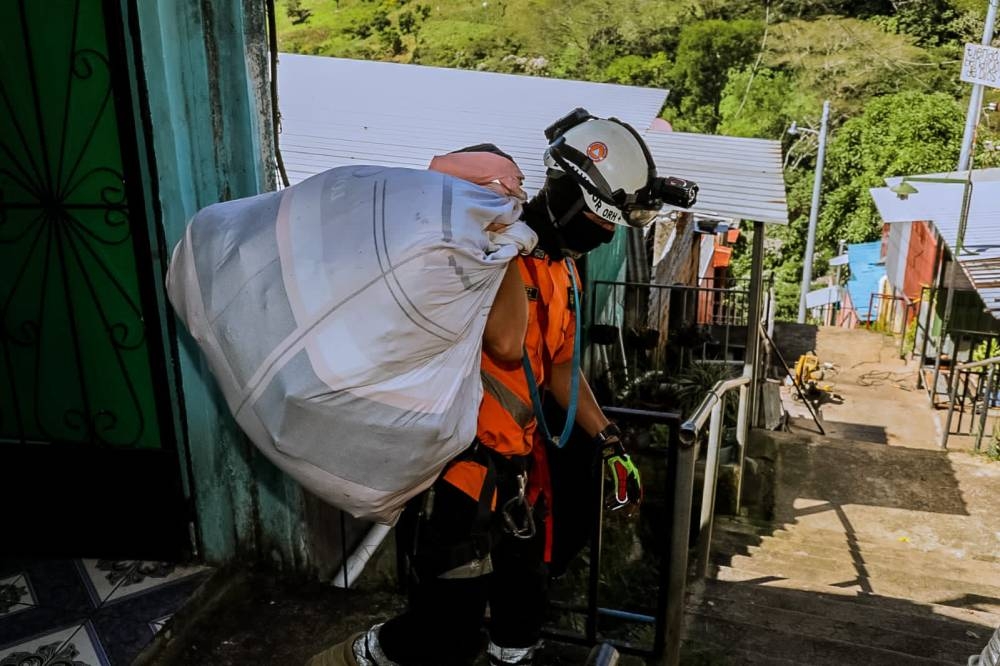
(77, 326)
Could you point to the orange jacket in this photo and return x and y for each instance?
(506, 417)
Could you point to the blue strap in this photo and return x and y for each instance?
(574, 382)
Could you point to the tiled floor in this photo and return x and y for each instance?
(87, 612)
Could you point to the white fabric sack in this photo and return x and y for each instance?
(343, 319)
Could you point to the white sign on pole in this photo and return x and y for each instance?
(981, 65)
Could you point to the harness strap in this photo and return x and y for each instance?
(484, 511)
(485, 530)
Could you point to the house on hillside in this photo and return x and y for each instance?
(911, 251)
(956, 297)
(861, 295)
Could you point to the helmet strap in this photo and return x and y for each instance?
(556, 214)
(570, 213)
(574, 163)
(538, 216)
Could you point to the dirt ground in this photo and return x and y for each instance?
(873, 394)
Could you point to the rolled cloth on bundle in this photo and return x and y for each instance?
(343, 318)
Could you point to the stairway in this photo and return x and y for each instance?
(868, 554)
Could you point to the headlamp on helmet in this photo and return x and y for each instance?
(611, 163)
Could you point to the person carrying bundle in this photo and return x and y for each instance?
(481, 535)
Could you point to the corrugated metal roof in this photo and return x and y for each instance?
(737, 178)
(336, 111)
(985, 275)
(941, 205)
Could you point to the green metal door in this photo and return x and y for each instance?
(86, 438)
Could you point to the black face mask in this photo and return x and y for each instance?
(556, 214)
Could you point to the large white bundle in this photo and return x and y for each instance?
(343, 319)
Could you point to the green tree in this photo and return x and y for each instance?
(906, 133)
(931, 22)
(296, 12)
(850, 61)
(762, 103)
(637, 70)
(706, 53)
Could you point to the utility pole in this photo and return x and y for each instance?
(976, 99)
(814, 213)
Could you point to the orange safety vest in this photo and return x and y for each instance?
(506, 417)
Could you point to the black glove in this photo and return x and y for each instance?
(626, 483)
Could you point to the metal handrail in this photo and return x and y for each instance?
(710, 410)
(957, 337)
(682, 454)
(994, 366)
(977, 364)
(667, 620)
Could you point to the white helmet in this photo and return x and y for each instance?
(614, 169)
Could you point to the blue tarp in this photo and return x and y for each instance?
(866, 273)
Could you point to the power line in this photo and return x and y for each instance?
(760, 56)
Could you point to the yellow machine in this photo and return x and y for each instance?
(808, 373)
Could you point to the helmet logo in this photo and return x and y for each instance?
(597, 151)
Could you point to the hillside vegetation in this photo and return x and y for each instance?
(737, 67)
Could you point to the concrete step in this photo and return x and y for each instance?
(695, 653)
(813, 439)
(900, 555)
(932, 498)
(823, 615)
(967, 551)
(759, 583)
(706, 628)
(884, 581)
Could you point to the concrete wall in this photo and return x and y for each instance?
(207, 129)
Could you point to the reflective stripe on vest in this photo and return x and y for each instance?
(519, 411)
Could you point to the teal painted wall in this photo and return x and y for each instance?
(606, 263)
(204, 68)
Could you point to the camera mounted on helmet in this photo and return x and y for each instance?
(600, 156)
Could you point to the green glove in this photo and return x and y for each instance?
(626, 483)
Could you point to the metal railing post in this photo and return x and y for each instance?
(991, 363)
(742, 438)
(753, 317)
(907, 312)
(987, 400)
(708, 488)
(946, 431)
(680, 528)
(926, 331)
(965, 379)
(711, 410)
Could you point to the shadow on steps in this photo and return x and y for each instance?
(759, 621)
